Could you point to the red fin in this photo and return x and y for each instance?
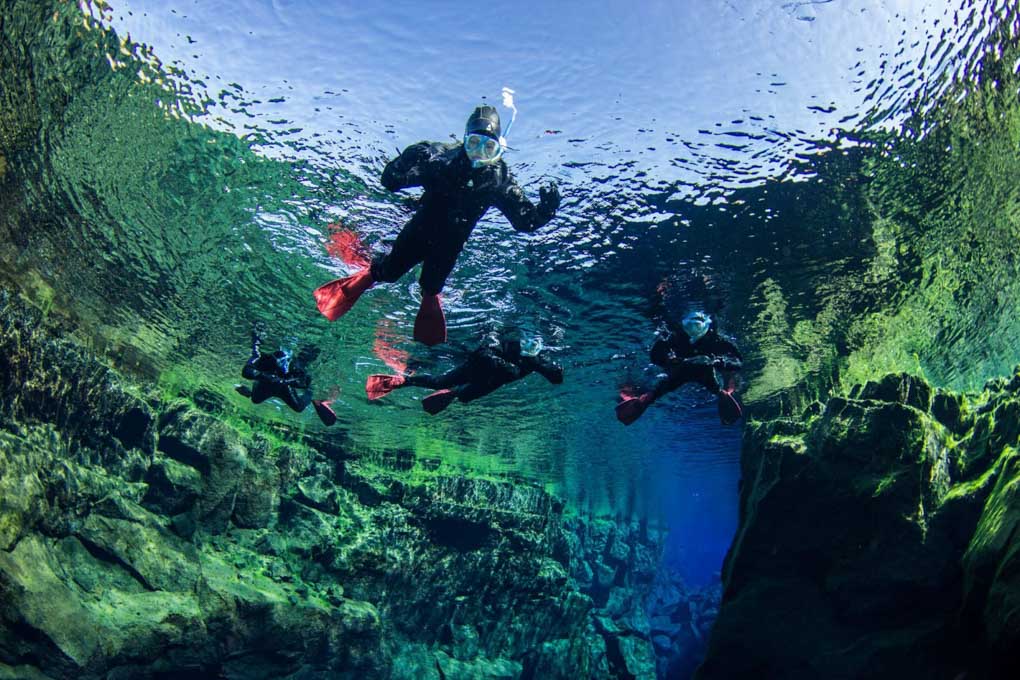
(437, 401)
(334, 299)
(430, 324)
(378, 386)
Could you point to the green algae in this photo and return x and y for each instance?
(916, 491)
(285, 549)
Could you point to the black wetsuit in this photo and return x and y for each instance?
(456, 196)
(273, 379)
(699, 362)
(488, 368)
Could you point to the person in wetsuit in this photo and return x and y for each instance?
(279, 375)
(494, 364)
(695, 353)
(461, 181)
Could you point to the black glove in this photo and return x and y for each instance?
(506, 370)
(728, 363)
(549, 197)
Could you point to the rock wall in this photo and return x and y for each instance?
(878, 538)
(149, 539)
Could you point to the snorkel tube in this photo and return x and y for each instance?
(508, 102)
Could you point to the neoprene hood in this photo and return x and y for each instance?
(484, 120)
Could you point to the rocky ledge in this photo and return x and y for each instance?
(878, 538)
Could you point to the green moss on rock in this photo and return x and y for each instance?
(155, 539)
(881, 536)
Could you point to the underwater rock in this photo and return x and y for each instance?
(173, 487)
(680, 621)
(143, 539)
(880, 536)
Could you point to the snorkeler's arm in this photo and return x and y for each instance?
(498, 366)
(409, 168)
(298, 378)
(661, 353)
(726, 355)
(522, 213)
(544, 366)
(251, 373)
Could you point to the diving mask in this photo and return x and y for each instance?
(695, 325)
(482, 149)
(531, 346)
(282, 357)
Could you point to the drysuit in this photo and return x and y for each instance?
(485, 370)
(278, 375)
(685, 361)
(458, 192)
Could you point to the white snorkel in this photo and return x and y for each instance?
(508, 102)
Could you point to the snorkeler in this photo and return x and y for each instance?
(496, 363)
(696, 353)
(462, 181)
(281, 376)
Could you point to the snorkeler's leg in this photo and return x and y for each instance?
(379, 385)
(409, 248)
(455, 376)
(300, 401)
(430, 324)
(297, 401)
(729, 406)
(474, 390)
(632, 405)
(261, 391)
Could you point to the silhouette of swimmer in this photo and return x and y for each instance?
(462, 181)
(280, 375)
(495, 363)
(695, 353)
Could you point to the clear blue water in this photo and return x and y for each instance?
(685, 136)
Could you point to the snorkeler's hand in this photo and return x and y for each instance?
(549, 197)
(258, 330)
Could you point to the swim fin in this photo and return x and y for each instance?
(729, 408)
(631, 408)
(243, 390)
(326, 413)
(437, 401)
(378, 385)
(334, 299)
(430, 324)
